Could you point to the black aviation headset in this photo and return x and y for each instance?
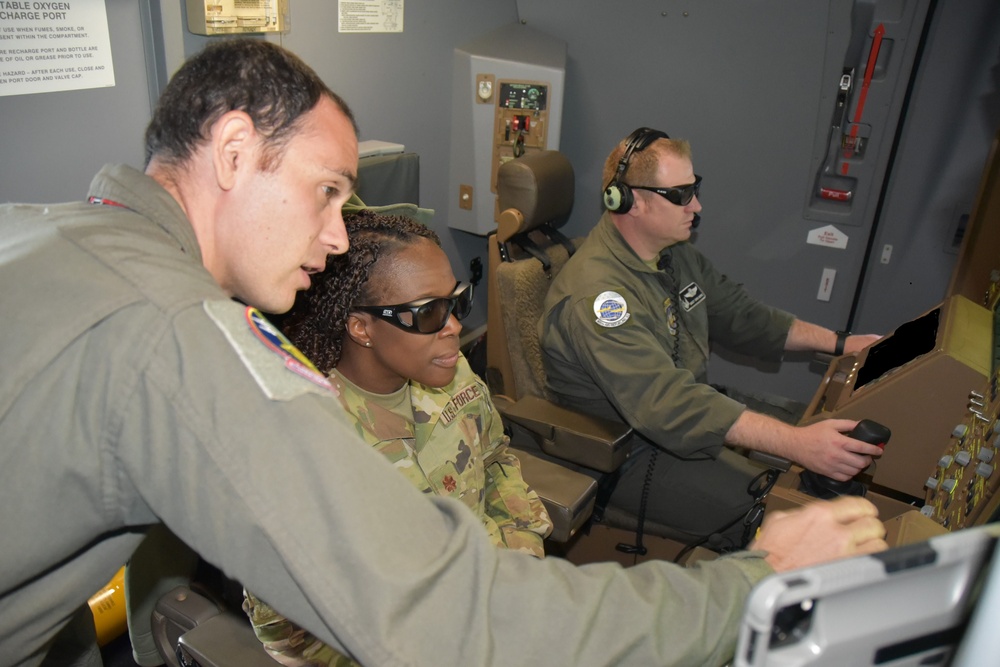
(618, 197)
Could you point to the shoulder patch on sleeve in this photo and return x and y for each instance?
(611, 309)
(280, 369)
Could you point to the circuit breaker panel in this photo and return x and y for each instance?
(963, 486)
(521, 122)
(506, 102)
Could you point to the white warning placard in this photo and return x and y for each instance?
(828, 236)
(53, 46)
(370, 16)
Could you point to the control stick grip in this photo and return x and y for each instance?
(825, 487)
(871, 432)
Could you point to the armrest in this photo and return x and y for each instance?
(188, 626)
(823, 358)
(770, 460)
(568, 496)
(224, 640)
(593, 442)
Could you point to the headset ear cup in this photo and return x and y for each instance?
(612, 198)
(618, 198)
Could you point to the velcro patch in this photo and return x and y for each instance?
(691, 296)
(611, 309)
(280, 369)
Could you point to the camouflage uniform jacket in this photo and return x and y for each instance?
(454, 447)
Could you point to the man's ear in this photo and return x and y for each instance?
(639, 204)
(233, 142)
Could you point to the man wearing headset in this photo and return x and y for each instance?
(626, 332)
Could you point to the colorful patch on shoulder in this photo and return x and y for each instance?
(295, 361)
(266, 353)
(611, 309)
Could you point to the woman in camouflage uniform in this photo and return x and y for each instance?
(400, 374)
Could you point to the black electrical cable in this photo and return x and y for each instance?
(751, 518)
(665, 264)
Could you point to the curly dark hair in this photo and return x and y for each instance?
(271, 84)
(317, 323)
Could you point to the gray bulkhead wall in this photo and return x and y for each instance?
(54, 143)
(953, 117)
(753, 85)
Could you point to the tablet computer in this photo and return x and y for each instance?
(905, 606)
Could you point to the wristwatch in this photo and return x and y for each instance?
(838, 349)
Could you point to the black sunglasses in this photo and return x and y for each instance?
(680, 196)
(426, 316)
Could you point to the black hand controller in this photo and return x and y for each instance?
(825, 487)
(871, 432)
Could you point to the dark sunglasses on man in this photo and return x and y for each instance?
(426, 316)
(679, 196)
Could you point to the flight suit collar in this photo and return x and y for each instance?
(613, 240)
(128, 187)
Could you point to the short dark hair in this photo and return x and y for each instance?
(317, 323)
(271, 84)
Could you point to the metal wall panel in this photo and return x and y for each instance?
(55, 142)
(753, 86)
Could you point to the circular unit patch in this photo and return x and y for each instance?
(611, 309)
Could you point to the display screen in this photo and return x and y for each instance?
(907, 342)
(522, 96)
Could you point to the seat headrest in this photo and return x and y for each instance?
(539, 185)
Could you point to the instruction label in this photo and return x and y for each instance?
(53, 46)
(828, 236)
(370, 15)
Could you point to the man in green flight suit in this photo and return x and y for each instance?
(626, 332)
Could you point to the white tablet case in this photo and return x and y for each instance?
(906, 606)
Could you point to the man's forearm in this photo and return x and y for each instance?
(808, 337)
(759, 432)
(805, 336)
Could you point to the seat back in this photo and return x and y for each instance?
(524, 285)
(534, 197)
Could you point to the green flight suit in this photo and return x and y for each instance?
(608, 333)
